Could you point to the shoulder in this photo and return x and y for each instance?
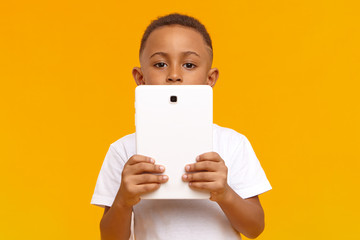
(224, 134)
(229, 143)
(125, 140)
(124, 146)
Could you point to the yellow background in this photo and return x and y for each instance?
(289, 73)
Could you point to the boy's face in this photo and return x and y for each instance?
(175, 55)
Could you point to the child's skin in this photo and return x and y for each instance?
(178, 55)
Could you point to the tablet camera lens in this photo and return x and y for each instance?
(173, 99)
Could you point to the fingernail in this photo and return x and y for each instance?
(187, 167)
(165, 177)
(197, 158)
(152, 160)
(161, 168)
(185, 176)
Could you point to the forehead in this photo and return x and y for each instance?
(176, 38)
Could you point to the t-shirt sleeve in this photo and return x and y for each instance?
(247, 177)
(109, 178)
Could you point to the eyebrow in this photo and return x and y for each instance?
(186, 53)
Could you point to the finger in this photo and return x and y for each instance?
(149, 178)
(200, 177)
(140, 158)
(208, 186)
(209, 156)
(147, 188)
(145, 167)
(202, 166)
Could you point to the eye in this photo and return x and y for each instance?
(189, 65)
(160, 65)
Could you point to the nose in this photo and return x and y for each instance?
(174, 75)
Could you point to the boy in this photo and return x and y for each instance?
(176, 49)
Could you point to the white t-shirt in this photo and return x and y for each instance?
(185, 219)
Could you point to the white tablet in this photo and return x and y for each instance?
(174, 125)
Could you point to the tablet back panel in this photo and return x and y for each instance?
(174, 133)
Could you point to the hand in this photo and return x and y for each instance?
(208, 173)
(138, 178)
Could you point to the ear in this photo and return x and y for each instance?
(138, 76)
(212, 77)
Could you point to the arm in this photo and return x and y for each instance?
(245, 215)
(137, 179)
(210, 173)
(116, 222)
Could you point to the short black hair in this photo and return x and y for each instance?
(176, 19)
